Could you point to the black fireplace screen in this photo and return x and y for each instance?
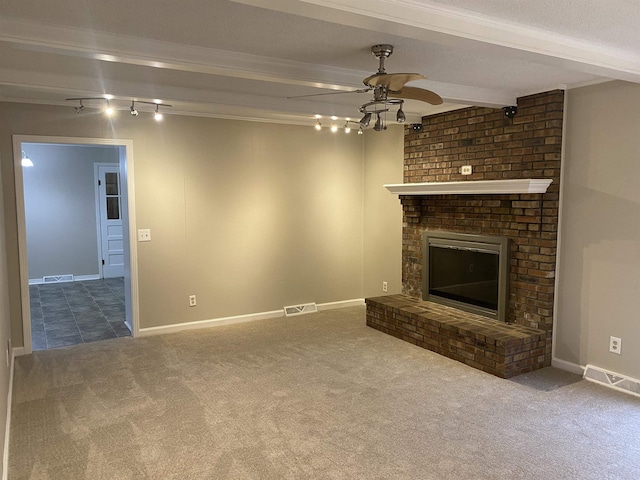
(467, 271)
(469, 276)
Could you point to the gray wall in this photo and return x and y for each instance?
(383, 163)
(5, 323)
(599, 278)
(248, 216)
(60, 212)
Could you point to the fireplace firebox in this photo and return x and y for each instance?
(468, 272)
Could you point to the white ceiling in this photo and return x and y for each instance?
(243, 59)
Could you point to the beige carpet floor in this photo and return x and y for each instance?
(318, 396)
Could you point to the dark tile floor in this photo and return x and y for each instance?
(64, 314)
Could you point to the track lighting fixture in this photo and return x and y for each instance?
(400, 117)
(109, 110)
(335, 125)
(26, 161)
(360, 130)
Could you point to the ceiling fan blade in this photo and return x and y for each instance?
(414, 93)
(393, 81)
(360, 90)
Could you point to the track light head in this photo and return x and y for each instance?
(400, 116)
(318, 125)
(157, 115)
(510, 111)
(365, 120)
(79, 108)
(108, 109)
(133, 110)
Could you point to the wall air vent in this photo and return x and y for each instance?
(57, 278)
(300, 309)
(612, 380)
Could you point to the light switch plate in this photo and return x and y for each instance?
(144, 235)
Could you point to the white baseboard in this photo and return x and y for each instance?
(83, 278)
(342, 304)
(178, 327)
(567, 366)
(76, 278)
(17, 351)
(7, 428)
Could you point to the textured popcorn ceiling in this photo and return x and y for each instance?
(614, 24)
(245, 58)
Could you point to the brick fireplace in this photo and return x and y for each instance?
(497, 148)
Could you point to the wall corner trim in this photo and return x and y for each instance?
(18, 351)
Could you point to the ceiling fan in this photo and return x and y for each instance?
(388, 89)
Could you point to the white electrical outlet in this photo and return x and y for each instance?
(144, 234)
(466, 170)
(192, 300)
(384, 286)
(615, 345)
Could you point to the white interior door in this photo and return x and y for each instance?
(110, 208)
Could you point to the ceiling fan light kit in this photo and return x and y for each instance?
(389, 91)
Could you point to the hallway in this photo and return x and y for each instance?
(64, 314)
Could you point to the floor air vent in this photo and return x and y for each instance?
(300, 309)
(57, 278)
(612, 380)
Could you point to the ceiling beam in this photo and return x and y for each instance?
(108, 47)
(439, 24)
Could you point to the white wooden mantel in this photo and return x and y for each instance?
(488, 187)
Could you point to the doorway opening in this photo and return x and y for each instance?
(75, 241)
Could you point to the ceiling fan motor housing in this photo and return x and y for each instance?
(382, 50)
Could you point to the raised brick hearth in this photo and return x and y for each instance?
(498, 148)
(495, 347)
